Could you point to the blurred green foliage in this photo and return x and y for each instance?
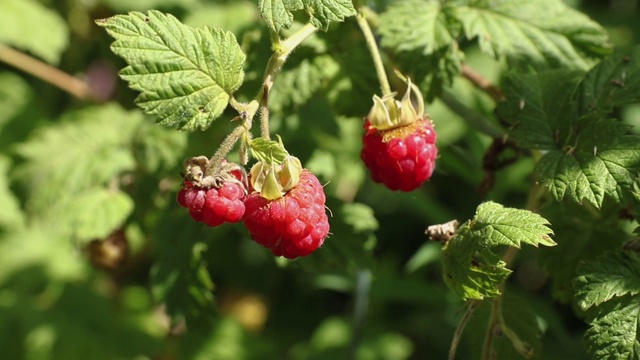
(98, 261)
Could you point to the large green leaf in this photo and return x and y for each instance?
(29, 25)
(604, 161)
(186, 76)
(542, 32)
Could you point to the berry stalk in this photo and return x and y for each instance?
(374, 50)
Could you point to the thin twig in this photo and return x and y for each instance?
(482, 83)
(46, 72)
(460, 329)
(487, 347)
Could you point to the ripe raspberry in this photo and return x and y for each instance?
(401, 158)
(293, 225)
(214, 206)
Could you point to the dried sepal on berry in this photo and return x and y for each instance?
(213, 195)
(388, 113)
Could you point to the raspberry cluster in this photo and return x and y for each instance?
(214, 206)
(401, 158)
(293, 225)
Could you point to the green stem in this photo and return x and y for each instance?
(282, 50)
(374, 50)
(264, 122)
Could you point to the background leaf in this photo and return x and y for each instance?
(539, 107)
(92, 147)
(48, 33)
(545, 32)
(278, 14)
(204, 67)
(610, 285)
(614, 274)
(605, 161)
(423, 36)
(613, 82)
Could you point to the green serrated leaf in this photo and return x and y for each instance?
(95, 214)
(278, 14)
(498, 225)
(538, 108)
(608, 287)
(613, 82)
(185, 76)
(269, 151)
(29, 25)
(614, 332)
(471, 269)
(323, 12)
(604, 161)
(544, 32)
(614, 274)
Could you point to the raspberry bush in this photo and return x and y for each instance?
(212, 179)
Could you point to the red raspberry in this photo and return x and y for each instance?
(213, 206)
(401, 158)
(293, 225)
